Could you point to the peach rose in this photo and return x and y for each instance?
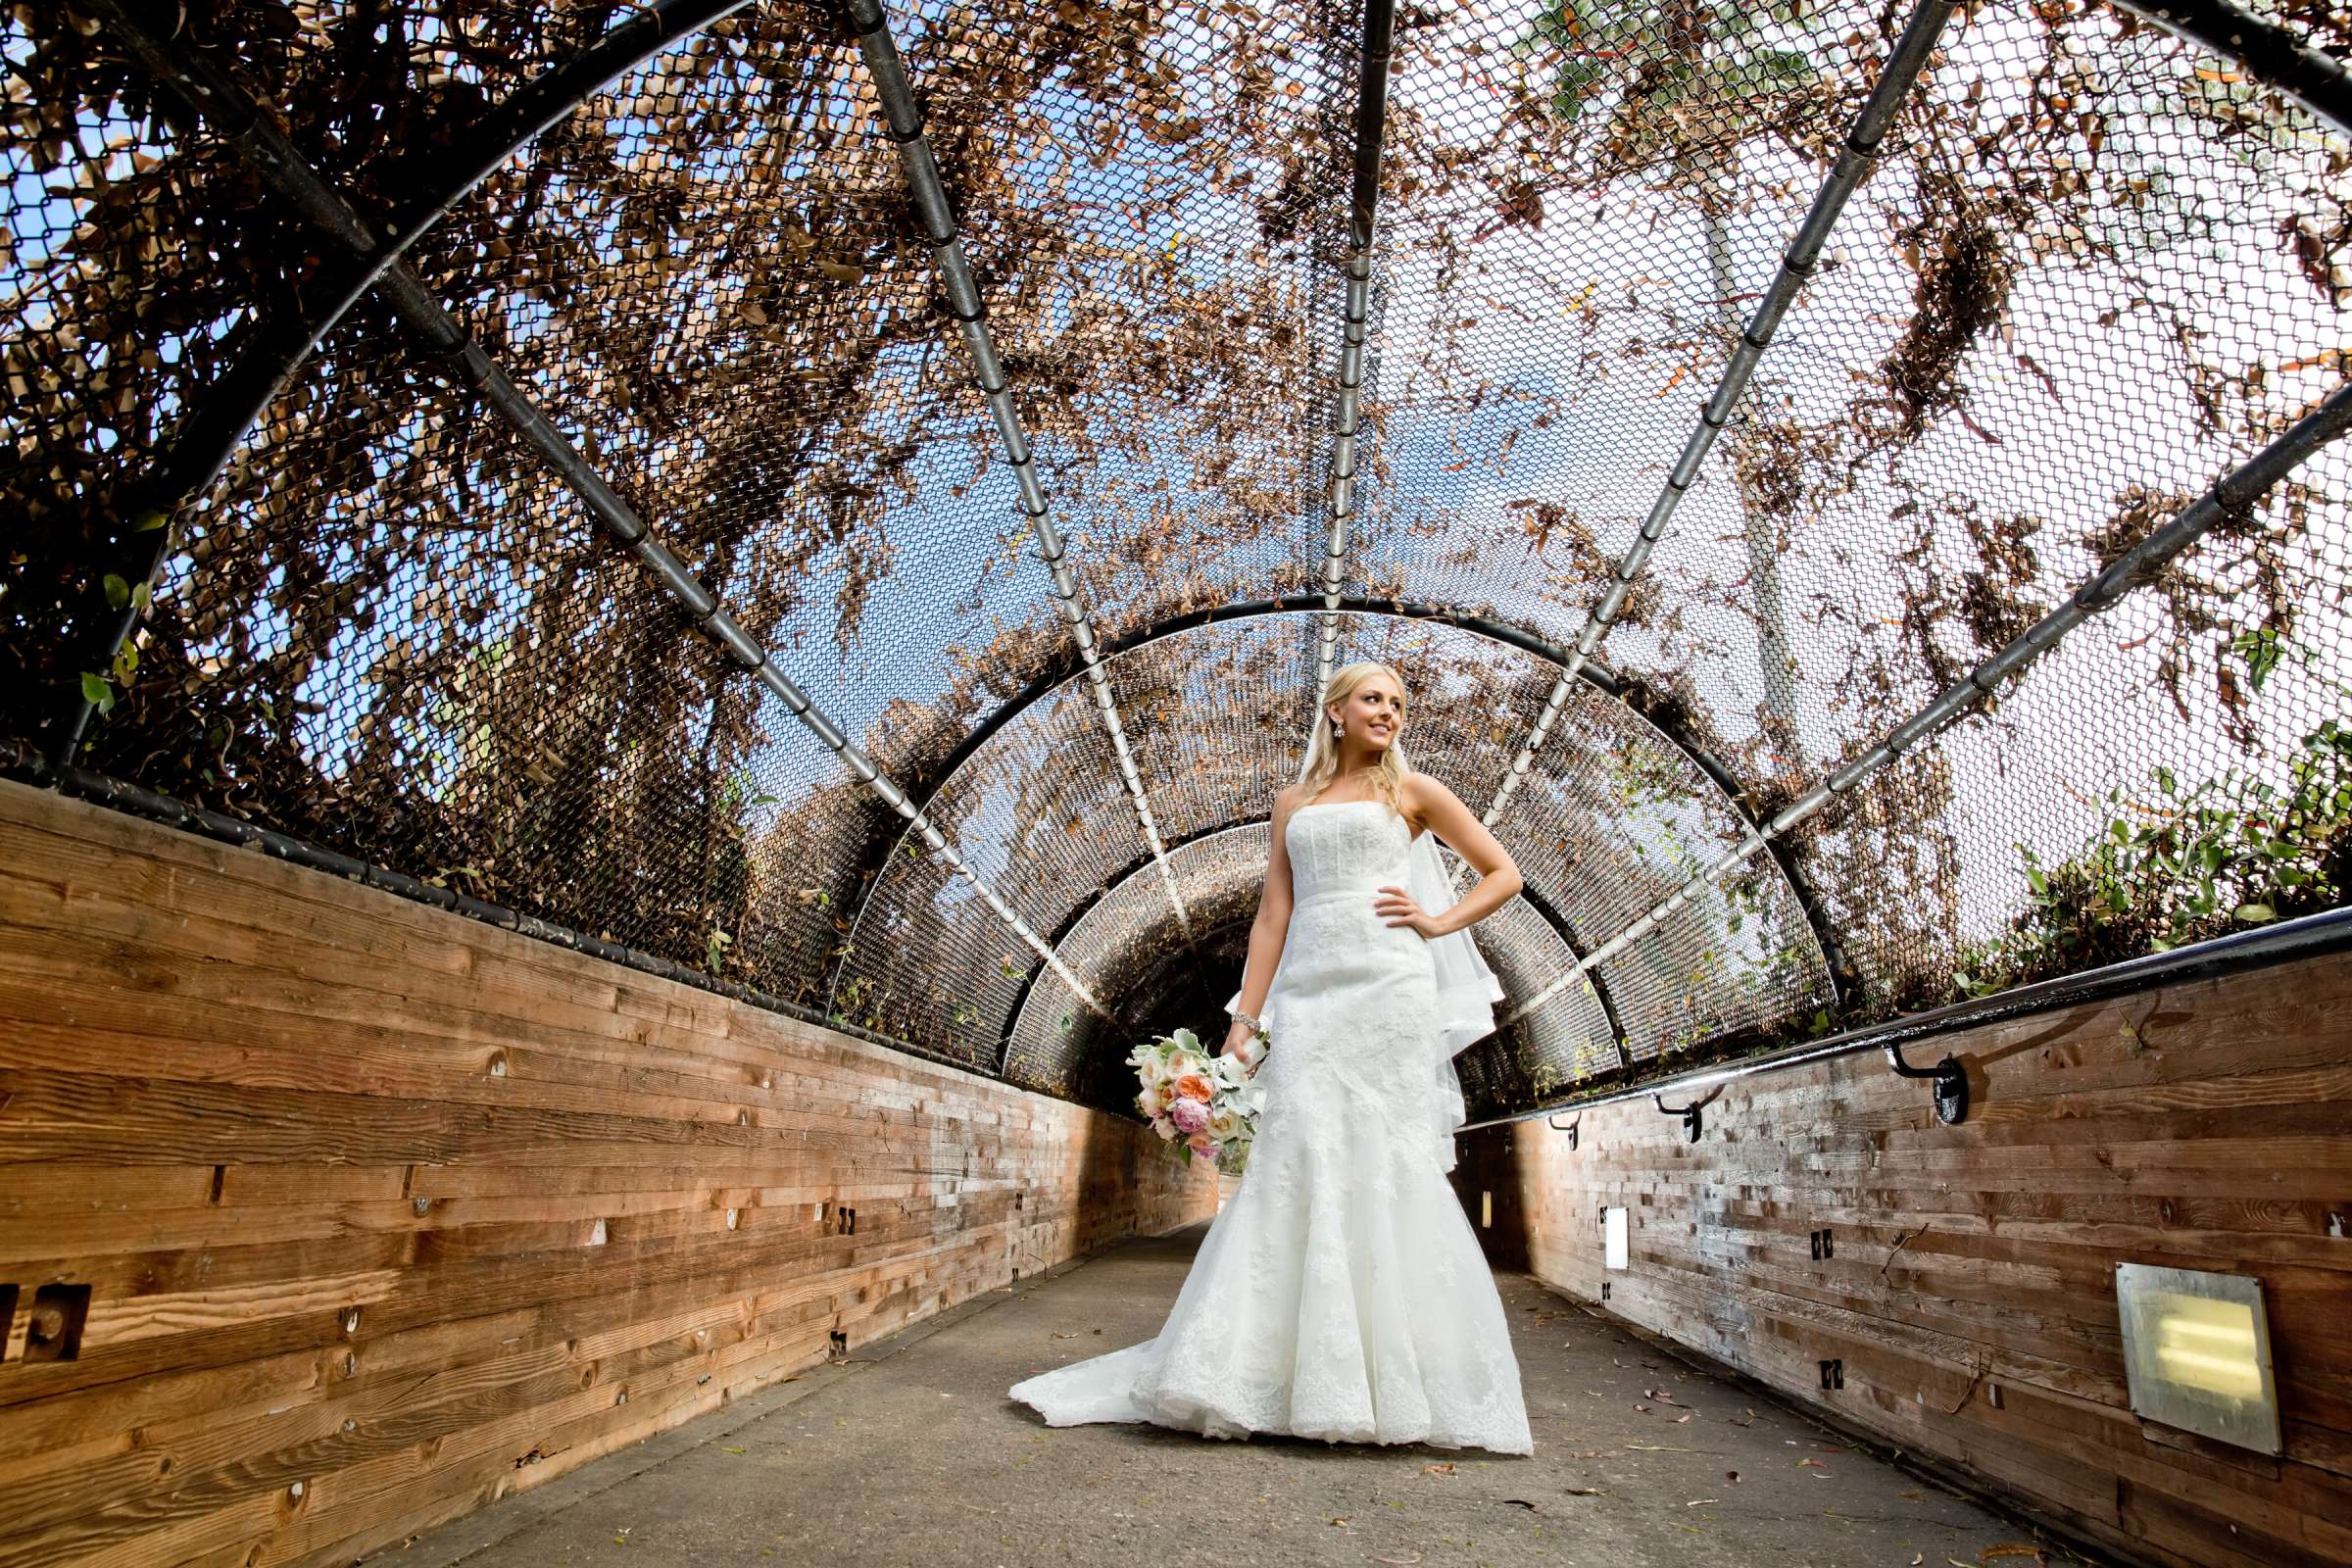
(1191, 1086)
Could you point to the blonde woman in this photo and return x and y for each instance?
(1340, 1293)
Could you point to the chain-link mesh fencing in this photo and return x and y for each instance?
(2095, 269)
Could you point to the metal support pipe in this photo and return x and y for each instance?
(1371, 123)
(1855, 161)
(1600, 992)
(2270, 53)
(2234, 495)
(220, 416)
(935, 211)
(209, 91)
(1592, 673)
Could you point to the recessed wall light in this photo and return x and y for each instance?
(2197, 1354)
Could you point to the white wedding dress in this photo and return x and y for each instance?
(1340, 1293)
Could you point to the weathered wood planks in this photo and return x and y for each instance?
(1969, 1291)
(387, 1213)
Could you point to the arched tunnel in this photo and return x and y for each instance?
(754, 570)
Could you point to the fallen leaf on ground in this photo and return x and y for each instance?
(1587, 1491)
(1400, 1562)
(1446, 1469)
(735, 1451)
(1731, 1475)
(1745, 1418)
(1701, 1502)
(1522, 1502)
(1073, 1334)
(1680, 1419)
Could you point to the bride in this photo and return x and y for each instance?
(1340, 1293)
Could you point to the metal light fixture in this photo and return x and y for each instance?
(2197, 1354)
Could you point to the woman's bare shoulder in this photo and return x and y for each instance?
(1423, 790)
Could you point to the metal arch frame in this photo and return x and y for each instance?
(204, 91)
(221, 413)
(1545, 911)
(1835, 963)
(935, 211)
(1070, 921)
(1558, 921)
(1591, 673)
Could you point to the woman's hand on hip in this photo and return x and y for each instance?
(1395, 906)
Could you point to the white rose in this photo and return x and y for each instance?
(1153, 1099)
(1225, 1126)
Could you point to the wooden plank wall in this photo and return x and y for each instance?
(1970, 1288)
(387, 1213)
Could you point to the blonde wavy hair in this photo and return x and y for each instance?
(1322, 758)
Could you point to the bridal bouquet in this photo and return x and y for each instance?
(1199, 1102)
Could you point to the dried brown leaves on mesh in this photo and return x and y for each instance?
(1964, 272)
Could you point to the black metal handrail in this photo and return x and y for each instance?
(2306, 936)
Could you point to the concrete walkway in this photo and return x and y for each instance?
(910, 1455)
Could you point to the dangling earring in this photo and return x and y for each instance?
(1338, 730)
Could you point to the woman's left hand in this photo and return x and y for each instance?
(1395, 906)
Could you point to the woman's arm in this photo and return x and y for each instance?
(1271, 926)
(1440, 811)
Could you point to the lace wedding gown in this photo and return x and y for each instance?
(1340, 1293)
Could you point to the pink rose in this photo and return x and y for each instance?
(1202, 1145)
(1189, 1115)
